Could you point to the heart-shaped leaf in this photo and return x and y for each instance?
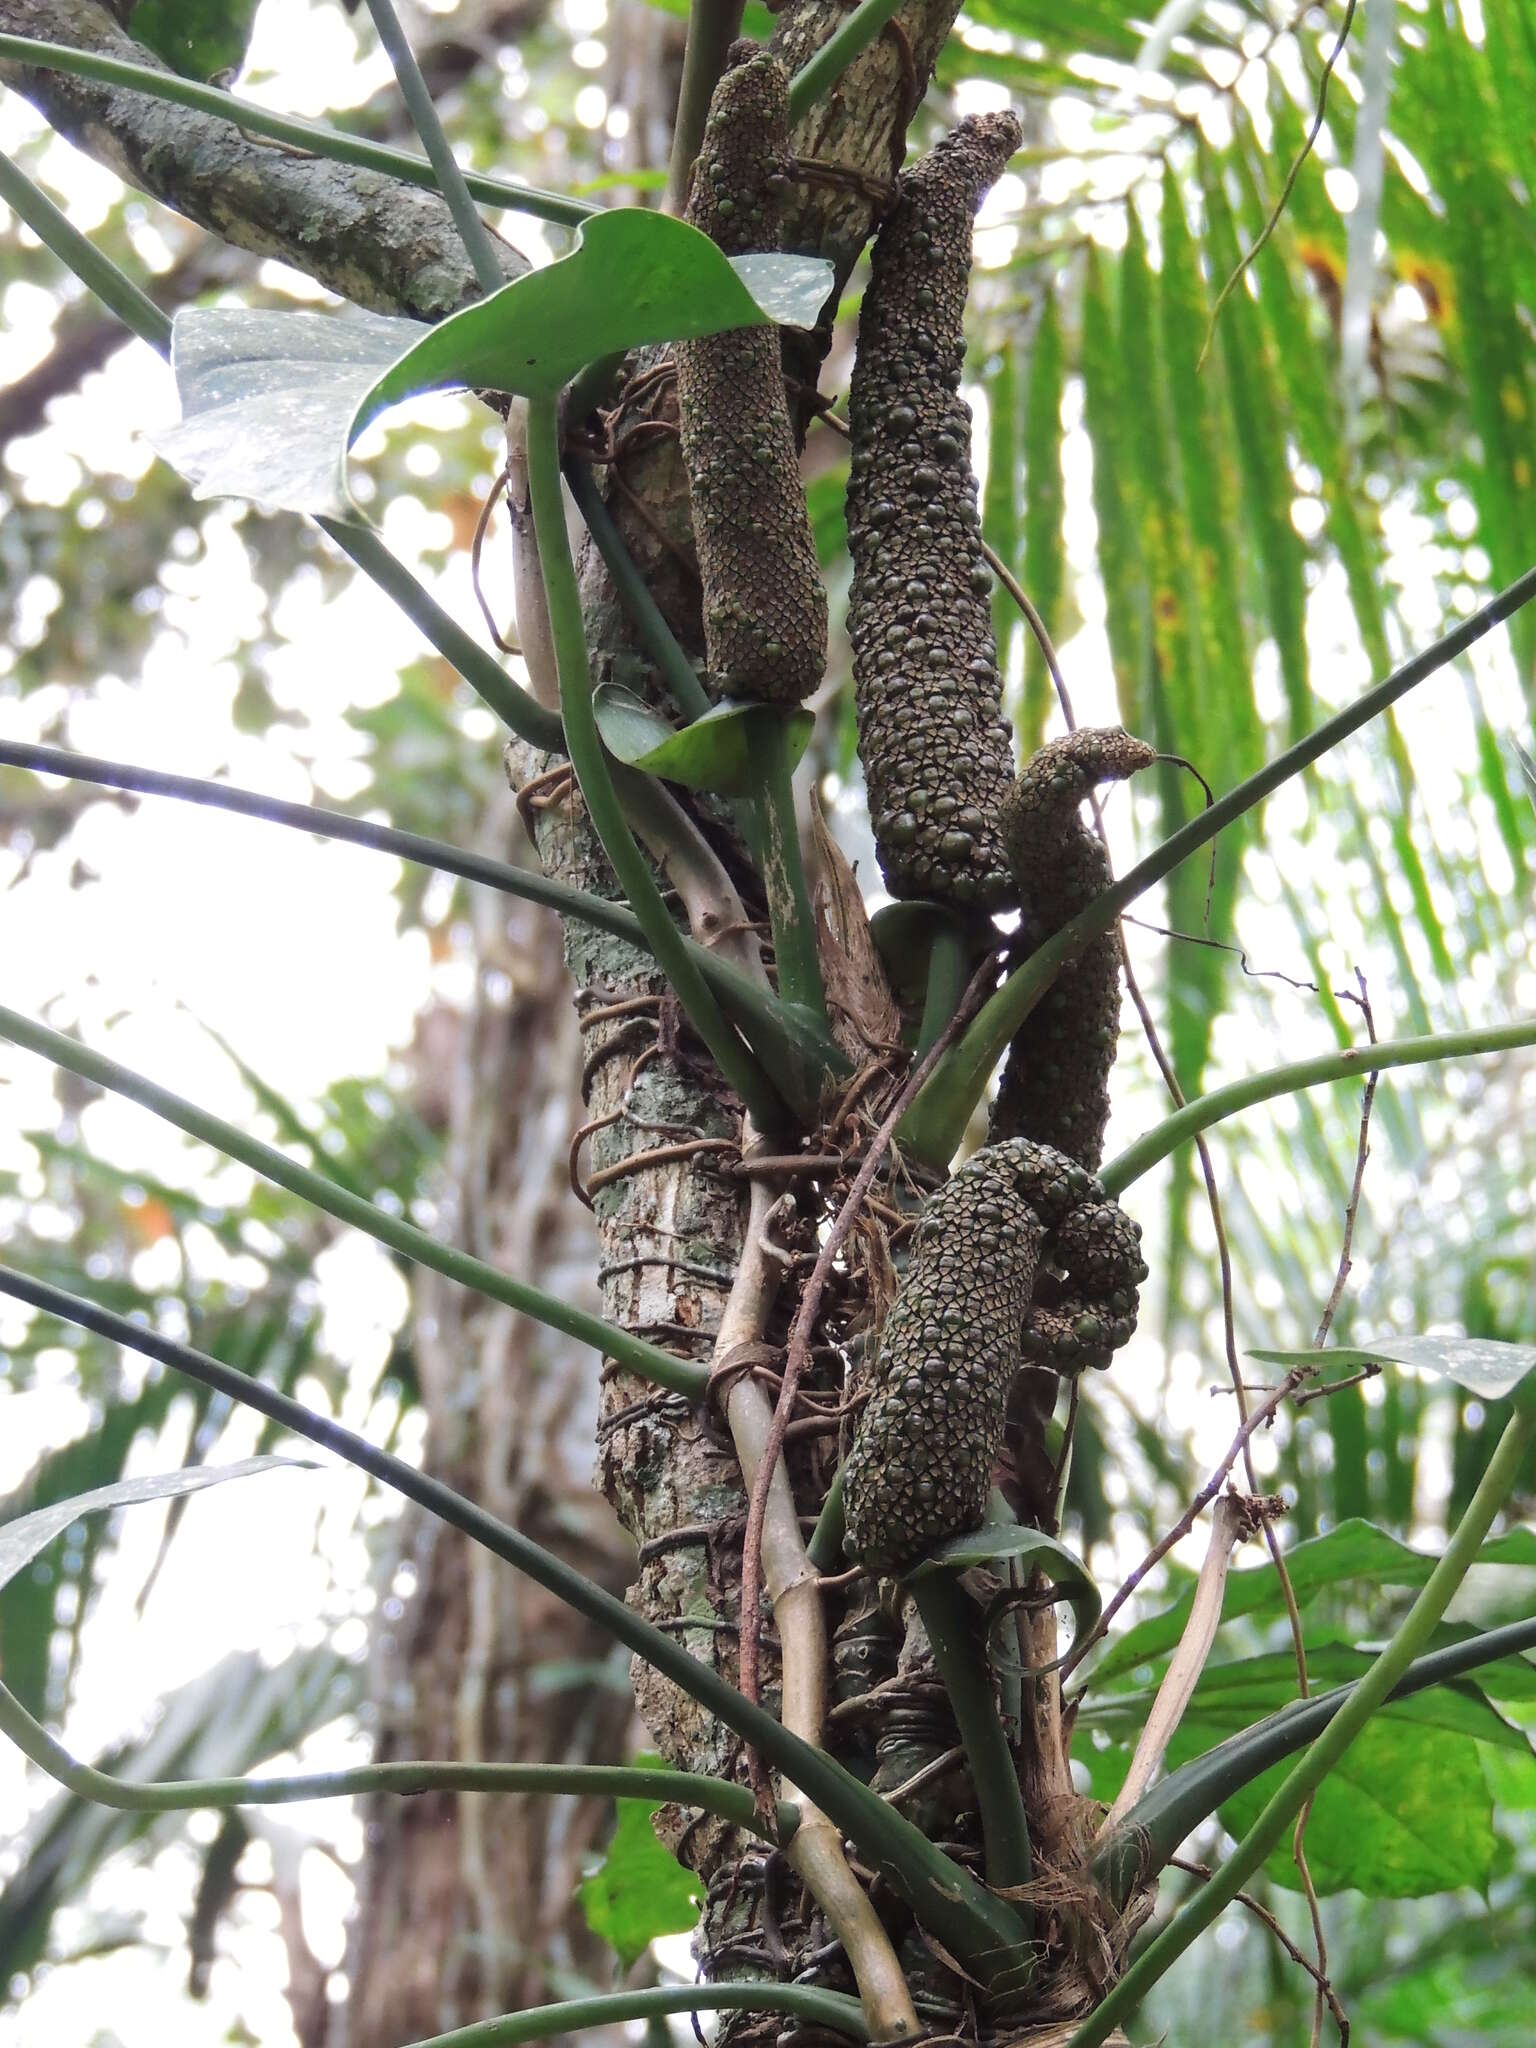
(23, 1539)
(639, 1890)
(272, 401)
(1491, 1370)
(716, 752)
(999, 1542)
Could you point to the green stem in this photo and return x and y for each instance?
(934, 1125)
(314, 137)
(512, 704)
(825, 1546)
(1301, 1783)
(713, 26)
(949, 964)
(679, 1375)
(523, 714)
(950, 1620)
(476, 237)
(821, 72)
(116, 290)
(1349, 1064)
(677, 671)
(1152, 1831)
(980, 1930)
(790, 916)
(619, 1781)
(759, 1014)
(834, 2009)
(568, 634)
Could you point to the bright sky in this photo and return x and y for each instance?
(288, 948)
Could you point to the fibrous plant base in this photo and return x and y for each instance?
(1055, 1086)
(937, 752)
(765, 608)
(1015, 1214)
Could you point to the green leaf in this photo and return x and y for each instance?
(1006, 1542)
(22, 1539)
(715, 752)
(1356, 1552)
(201, 39)
(639, 1890)
(1491, 1370)
(1406, 1812)
(999, 498)
(272, 401)
(1044, 575)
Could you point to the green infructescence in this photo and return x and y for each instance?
(765, 608)
(1016, 1219)
(1055, 1086)
(937, 752)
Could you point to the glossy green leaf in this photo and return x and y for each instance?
(21, 1540)
(714, 753)
(639, 1890)
(1489, 1370)
(1355, 1554)
(1005, 1542)
(272, 401)
(1406, 1813)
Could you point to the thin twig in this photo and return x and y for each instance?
(1262, 1913)
(798, 1351)
(1290, 180)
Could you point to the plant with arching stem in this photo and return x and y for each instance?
(830, 1062)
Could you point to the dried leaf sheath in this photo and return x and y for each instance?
(765, 609)
(937, 753)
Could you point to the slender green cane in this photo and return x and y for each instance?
(760, 1016)
(1301, 1783)
(950, 1621)
(824, 1547)
(833, 2009)
(568, 634)
(619, 1781)
(1345, 1065)
(313, 137)
(522, 713)
(677, 671)
(821, 72)
(679, 1375)
(790, 916)
(948, 972)
(1167, 1815)
(476, 238)
(980, 1930)
(712, 27)
(934, 1125)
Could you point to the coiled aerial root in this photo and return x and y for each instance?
(1055, 1087)
(937, 752)
(765, 607)
(921, 1463)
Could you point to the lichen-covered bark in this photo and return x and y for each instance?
(382, 244)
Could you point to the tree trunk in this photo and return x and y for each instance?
(466, 1903)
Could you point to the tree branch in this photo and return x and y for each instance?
(366, 236)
